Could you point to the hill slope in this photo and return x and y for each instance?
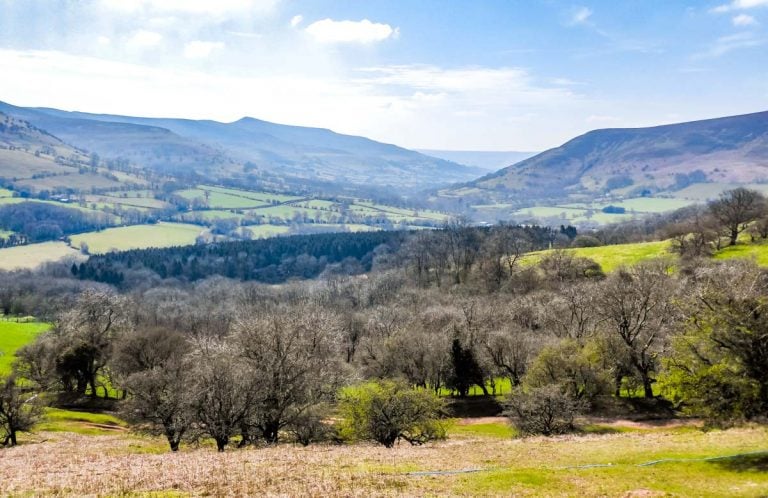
(640, 161)
(247, 146)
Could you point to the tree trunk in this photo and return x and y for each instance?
(221, 443)
(647, 387)
(734, 236)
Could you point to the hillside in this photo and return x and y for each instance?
(247, 148)
(488, 160)
(636, 162)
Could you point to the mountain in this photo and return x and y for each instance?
(488, 160)
(247, 147)
(635, 162)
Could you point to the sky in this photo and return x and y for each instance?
(521, 75)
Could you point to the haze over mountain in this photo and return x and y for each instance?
(636, 161)
(489, 160)
(247, 147)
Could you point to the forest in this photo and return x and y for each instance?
(370, 352)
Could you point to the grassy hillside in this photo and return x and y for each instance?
(13, 336)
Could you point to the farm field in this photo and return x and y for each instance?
(13, 336)
(33, 255)
(137, 237)
(127, 202)
(479, 458)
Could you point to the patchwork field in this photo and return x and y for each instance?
(137, 237)
(479, 459)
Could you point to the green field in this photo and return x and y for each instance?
(138, 237)
(756, 251)
(615, 256)
(33, 255)
(4, 192)
(13, 336)
(127, 202)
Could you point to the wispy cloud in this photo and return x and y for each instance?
(143, 39)
(739, 5)
(216, 8)
(296, 20)
(365, 31)
(580, 15)
(730, 43)
(198, 49)
(743, 20)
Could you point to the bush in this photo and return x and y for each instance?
(546, 410)
(388, 411)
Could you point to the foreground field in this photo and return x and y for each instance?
(633, 461)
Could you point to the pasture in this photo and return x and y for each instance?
(76, 454)
(138, 237)
(612, 257)
(33, 255)
(14, 335)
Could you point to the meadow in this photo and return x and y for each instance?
(138, 237)
(14, 335)
(33, 255)
(94, 454)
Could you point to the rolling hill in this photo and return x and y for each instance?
(635, 162)
(247, 147)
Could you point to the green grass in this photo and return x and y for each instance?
(13, 336)
(138, 237)
(612, 257)
(757, 251)
(5, 192)
(500, 429)
(80, 422)
(33, 255)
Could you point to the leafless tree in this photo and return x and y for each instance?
(736, 208)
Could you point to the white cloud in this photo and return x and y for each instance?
(408, 105)
(580, 15)
(201, 49)
(217, 8)
(743, 20)
(739, 5)
(103, 40)
(726, 44)
(143, 39)
(296, 20)
(365, 31)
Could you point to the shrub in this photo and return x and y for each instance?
(546, 410)
(388, 411)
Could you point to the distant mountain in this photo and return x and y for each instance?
(488, 160)
(636, 161)
(247, 147)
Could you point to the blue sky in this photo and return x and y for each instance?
(462, 75)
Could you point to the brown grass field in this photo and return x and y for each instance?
(477, 460)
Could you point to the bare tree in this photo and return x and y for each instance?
(19, 411)
(736, 208)
(636, 305)
(295, 358)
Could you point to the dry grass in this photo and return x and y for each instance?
(70, 464)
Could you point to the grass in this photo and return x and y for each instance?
(138, 237)
(4, 192)
(80, 422)
(13, 336)
(478, 459)
(758, 251)
(33, 255)
(613, 257)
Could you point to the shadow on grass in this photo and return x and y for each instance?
(754, 462)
